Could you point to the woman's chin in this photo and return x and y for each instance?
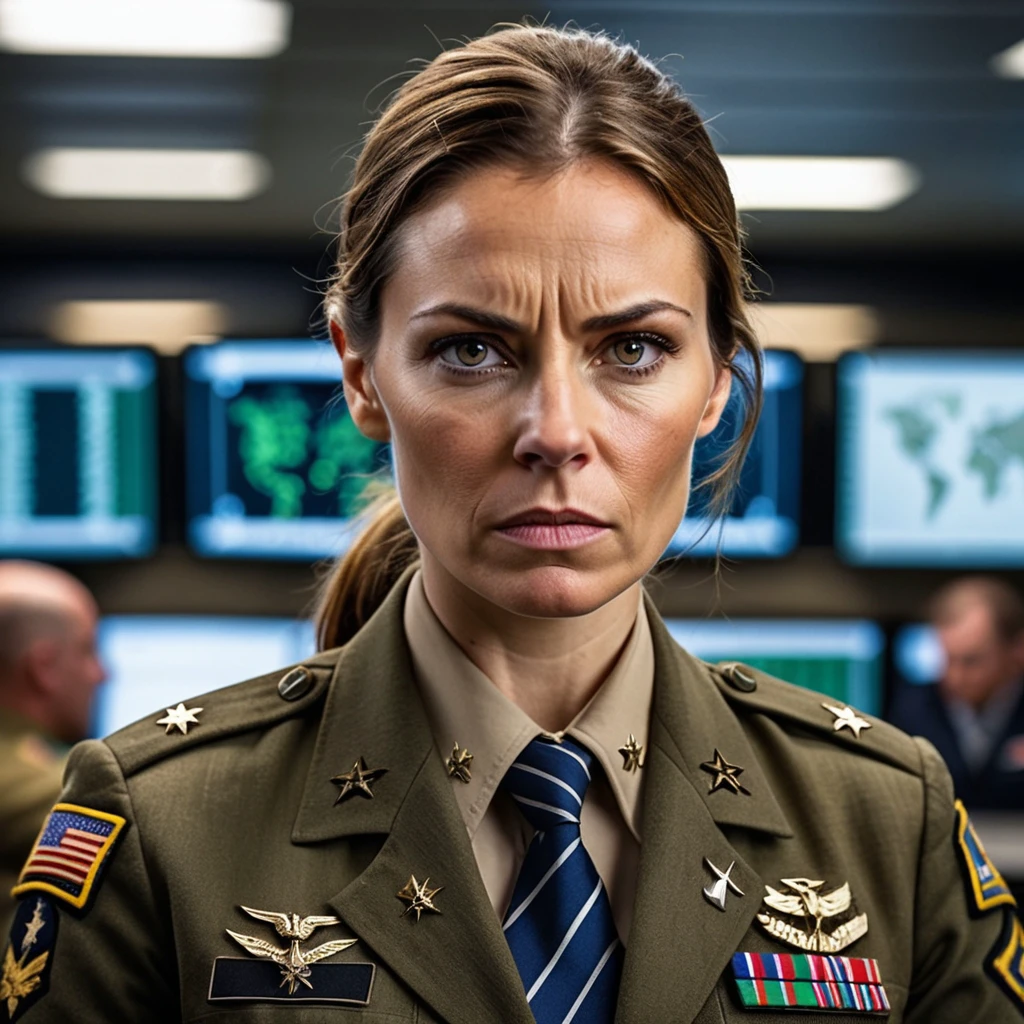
(554, 591)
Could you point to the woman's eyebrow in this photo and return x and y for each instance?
(495, 321)
(637, 312)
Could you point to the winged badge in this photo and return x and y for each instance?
(806, 901)
(20, 978)
(294, 963)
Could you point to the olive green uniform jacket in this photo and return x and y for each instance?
(31, 767)
(242, 812)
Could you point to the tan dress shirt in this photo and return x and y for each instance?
(464, 706)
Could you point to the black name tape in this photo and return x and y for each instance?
(235, 979)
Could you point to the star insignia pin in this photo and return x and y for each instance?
(631, 752)
(847, 718)
(419, 896)
(458, 764)
(716, 892)
(179, 718)
(358, 780)
(726, 776)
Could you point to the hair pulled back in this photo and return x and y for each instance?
(538, 98)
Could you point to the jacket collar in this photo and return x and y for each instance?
(463, 705)
(458, 961)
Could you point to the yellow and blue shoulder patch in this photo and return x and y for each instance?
(1006, 962)
(28, 959)
(69, 856)
(987, 889)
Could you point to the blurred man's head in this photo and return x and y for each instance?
(980, 622)
(49, 667)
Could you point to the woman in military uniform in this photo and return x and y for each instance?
(502, 793)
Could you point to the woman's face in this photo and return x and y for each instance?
(543, 370)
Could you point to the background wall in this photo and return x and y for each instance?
(930, 82)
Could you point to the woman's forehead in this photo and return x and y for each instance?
(592, 230)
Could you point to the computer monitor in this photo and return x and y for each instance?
(78, 453)
(764, 520)
(155, 661)
(917, 654)
(842, 659)
(931, 459)
(276, 467)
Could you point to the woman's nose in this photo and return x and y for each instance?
(555, 427)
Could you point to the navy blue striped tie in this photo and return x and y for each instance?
(559, 924)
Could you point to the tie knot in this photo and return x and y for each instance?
(548, 781)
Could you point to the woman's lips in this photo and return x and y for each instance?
(552, 537)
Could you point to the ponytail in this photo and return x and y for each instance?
(356, 585)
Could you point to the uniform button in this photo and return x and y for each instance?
(739, 678)
(295, 684)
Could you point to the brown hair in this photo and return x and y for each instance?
(1001, 601)
(538, 98)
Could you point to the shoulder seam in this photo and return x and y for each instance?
(247, 706)
(881, 742)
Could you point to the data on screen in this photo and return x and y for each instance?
(840, 658)
(155, 662)
(763, 520)
(78, 454)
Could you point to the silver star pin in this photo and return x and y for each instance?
(847, 718)
(181, 718)
(716, 892)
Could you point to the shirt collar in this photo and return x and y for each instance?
(465, 708)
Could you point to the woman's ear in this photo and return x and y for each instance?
(717, 402)
(364, 405)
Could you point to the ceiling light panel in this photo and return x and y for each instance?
(819, 182)
(819, 332)
(168, 325)
(157, 28)
(153, 174)
(1010, 63)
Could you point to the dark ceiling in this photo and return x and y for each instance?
(906, 78)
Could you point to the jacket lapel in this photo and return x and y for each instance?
(680, 943)
(457, 960)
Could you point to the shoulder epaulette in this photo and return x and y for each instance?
(253, 704)
(852, 729)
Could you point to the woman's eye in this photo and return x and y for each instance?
(634, 352)
(472, 354)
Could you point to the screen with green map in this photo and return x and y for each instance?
(276, 467)
(840, 658)
(931, 459)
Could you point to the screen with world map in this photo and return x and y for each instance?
(931, 459)
(276, 467)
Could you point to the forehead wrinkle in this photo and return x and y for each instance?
(597, 258)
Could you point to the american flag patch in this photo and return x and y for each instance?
(70, 852)
(801, 981)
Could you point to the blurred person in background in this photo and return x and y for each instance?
(975, 713)
(49, 672)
